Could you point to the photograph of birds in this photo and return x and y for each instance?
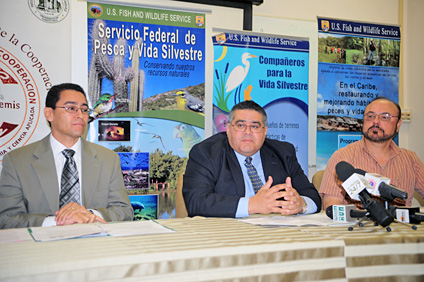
(239, 73)
(104, 104)
(188, 136)
(188, 102)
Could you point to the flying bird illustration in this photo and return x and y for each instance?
(188, 102)
(188, 136)
(239, 73)
(156, 136)
(139, 123)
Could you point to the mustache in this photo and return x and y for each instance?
(376, 127)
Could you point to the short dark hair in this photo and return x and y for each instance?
(54, 93)
(387, 99)
(248, 105)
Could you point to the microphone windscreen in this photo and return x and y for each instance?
(360, 171)
(344, 170)
(329, 211)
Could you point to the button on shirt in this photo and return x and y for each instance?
(243, 204)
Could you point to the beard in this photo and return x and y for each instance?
(377, 139)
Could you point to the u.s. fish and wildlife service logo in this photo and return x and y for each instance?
(325, 26)
(20, 104)
(200, 21)
(95, 10)
(220, 38)
(49, 11)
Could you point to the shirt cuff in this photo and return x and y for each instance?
(96, 212)
(49, 221)
(243, 207)
(311, 206)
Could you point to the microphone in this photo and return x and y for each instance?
(381, 187)
(344, 213)
(355, 184)
(408, 214)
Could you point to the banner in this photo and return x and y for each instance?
(30, 65)
(273, 72)
(357, 62)
(146, 77)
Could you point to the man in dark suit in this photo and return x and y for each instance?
(217, 182)
(33, 179)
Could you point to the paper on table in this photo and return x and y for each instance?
(45, 234)
(52, 233)
(317, 219)
(14, 235)
(131, 228)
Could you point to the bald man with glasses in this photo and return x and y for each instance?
(240, 172)
(63, 179)
(376, 153)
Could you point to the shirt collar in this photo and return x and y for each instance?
(256, 158)
(58, 147)
(394, 149)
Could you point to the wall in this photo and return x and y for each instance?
(413, 74)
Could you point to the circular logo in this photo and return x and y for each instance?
(95, 10)
(19, 103)
(49, 11)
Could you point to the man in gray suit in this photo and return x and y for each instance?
(41, 185)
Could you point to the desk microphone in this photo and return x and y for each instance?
(408, 214)
(381, 186)
(356, 185)
(345, 213)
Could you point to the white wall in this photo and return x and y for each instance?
(413, 75)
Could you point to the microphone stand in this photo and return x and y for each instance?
(367, 216)
(359, 223)
(391, 208)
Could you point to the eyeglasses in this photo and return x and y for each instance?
(241, 127)
(74, 109)
(381, 117)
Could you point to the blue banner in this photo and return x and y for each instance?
(273, 72)
(357, 62)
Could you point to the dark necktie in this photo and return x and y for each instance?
(253, 175)
(69, 184)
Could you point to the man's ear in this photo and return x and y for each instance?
(48, 113)
(399, 123)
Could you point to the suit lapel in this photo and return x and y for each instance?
(90, 172)
(236, 171)
(271, 166)
(44, 166)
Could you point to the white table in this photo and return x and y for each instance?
(216, 249)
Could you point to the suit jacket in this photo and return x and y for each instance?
(213, 180)
(29, 184)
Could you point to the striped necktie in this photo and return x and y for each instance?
(69, 184)
(253, 175)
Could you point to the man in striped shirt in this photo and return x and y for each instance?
(376, 153)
